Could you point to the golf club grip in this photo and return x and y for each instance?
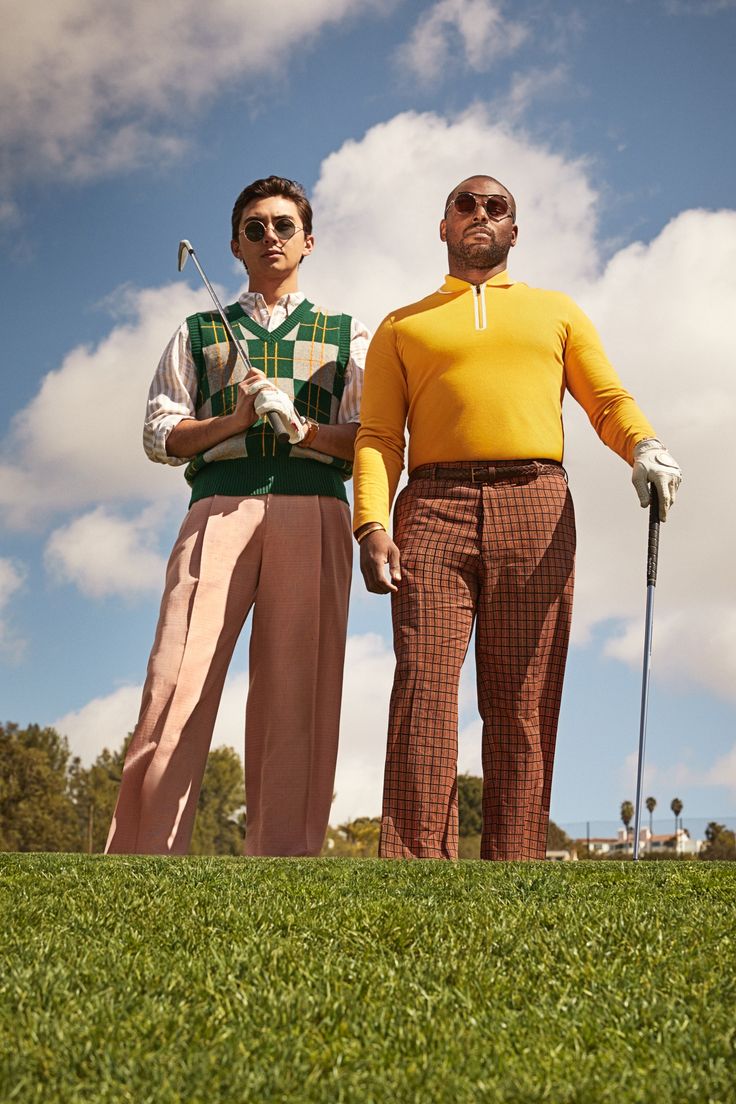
(653, 548)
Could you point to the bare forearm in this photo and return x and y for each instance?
(191, 436)
(336, 440)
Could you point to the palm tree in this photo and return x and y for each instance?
(676, 807)
(651, 804)
(627, 812)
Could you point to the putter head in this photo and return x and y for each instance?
(185, 248)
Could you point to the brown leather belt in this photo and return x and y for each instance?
(482, 471)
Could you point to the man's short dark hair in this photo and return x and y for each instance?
(273, 186)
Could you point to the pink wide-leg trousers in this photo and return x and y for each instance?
(289, 557)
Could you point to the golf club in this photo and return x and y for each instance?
(185, 250)
(652, 554)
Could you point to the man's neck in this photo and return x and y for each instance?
(475, 275)
(273, 291)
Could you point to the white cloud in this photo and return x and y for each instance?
(470, 743)
(388, 242)
(105, 721)
(723, 771)
(670, 335)
(526, 87)
(687, 775)
(654, 777)
(691, 645)
(9, 213)
(663, 309)
(698, 7)
(104, 554)
(12, 577)
(95, 88)
(475, 29)
(369, 668)
(78, 441)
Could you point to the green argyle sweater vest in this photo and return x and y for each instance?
(306, 356)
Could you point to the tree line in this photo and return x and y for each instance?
(50, 802)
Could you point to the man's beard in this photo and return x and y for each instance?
(478, 255)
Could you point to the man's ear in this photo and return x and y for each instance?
(308, 245)
(235, 250)
(443, 230)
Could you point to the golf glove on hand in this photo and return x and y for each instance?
(654, 464)
(270, 400)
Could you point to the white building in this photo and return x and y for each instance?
(623, 843)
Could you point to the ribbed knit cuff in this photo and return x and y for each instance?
(270, 475)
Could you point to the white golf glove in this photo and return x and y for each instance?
(654, 464)
(270, 400)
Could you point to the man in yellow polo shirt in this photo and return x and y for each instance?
(485, 529)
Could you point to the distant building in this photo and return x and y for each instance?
(623, 843)
(562, 856)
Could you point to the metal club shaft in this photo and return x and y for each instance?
(186, 249)
(652, 558)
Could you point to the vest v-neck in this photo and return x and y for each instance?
(236, 313)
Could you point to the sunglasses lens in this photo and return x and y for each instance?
(464, 203)
(497, 207)
(254, 231)
(284, 228)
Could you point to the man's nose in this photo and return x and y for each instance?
(269, 234)
(480, 214)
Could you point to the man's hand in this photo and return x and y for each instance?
(377, 550)
(654, 464)
(245, 415)
(191, 435)
(268, 399)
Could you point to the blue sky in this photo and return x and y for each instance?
(130, 126)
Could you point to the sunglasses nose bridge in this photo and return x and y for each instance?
(257, 231)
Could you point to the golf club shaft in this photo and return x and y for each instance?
(652, 557)
(274, 423)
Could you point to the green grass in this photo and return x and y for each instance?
(160, 980)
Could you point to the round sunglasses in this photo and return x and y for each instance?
(497, 207)
(284, 228)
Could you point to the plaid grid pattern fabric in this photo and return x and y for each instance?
(307, 354)
(501, 554)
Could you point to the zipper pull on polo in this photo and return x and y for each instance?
(479, 307)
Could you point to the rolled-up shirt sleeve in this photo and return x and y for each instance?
(350, 402)
(171, 398)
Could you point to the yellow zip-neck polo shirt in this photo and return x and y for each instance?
(478, 372)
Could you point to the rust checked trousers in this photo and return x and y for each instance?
(495, 544)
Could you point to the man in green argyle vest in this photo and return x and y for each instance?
(267, 529)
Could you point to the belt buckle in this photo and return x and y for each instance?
(485, 472)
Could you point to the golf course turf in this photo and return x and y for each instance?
(138, 979)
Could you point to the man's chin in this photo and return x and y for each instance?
(479, 255)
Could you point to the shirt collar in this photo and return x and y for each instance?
(453, 284)
(252, 301)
